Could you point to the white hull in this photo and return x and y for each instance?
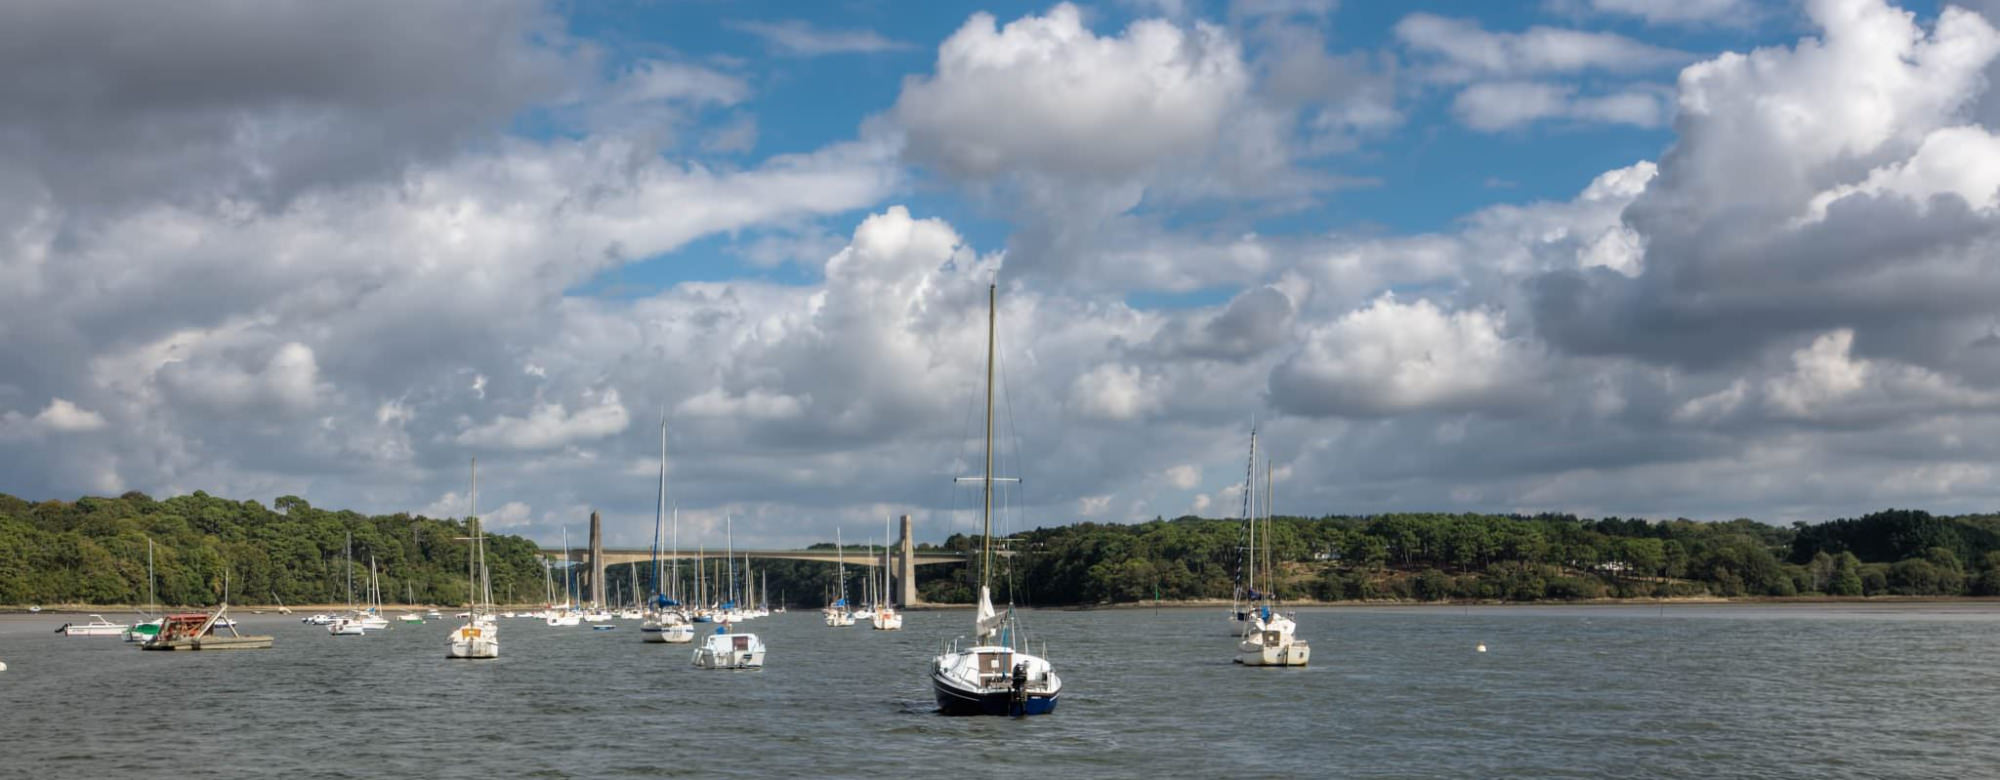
(563, 620)
(345, 627)
(674, 635)
(730, 651)
(705, 659)
(888, 621)
(95, 630)
(1272, 643)
(475, 641)
(839, 620)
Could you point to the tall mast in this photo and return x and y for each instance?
(840, 560)
(350, 571)
(660, 512)
(150, 597)
(1270, 571)
(472, 562)
(677, 554)
(986, 478)
(729, 554)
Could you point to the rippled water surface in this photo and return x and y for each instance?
(1780, 691)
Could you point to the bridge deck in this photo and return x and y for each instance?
(852, 557)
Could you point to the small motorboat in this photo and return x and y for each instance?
(97, 626)
(723, 650)
(346, 626)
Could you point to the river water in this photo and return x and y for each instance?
(1905, 690)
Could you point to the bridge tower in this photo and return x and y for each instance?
(906, 570)
(596, 559)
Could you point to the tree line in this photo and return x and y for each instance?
(93, 550)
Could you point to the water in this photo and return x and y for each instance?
(1781, 691)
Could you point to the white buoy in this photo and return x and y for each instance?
(3, 666)
(1482, 647)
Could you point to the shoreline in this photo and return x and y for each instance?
(308, 609)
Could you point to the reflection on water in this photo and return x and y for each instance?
(1834, 691)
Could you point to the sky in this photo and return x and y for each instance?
(1693, 258)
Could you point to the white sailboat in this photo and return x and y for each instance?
(995, 676)
(372, 618)
(666, 621)
(837, 613)
(140, 632)
(886, 617)
(1270, 639)
(479, 638)
(350, 623)
(565, 615)
(1242, 605)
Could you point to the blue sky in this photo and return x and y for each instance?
(1420, 177)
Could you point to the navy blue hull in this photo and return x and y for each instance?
(955, 701)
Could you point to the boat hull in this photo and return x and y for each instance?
(677, 634)
(1294, 655)
(748, 659)
(91, 630)
(954, 700)
(211, 643)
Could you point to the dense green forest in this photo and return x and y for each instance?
(1428, 557)
(93, 550)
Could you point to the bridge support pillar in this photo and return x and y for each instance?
(596, 559)
(906, 570)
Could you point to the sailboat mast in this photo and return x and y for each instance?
(840, 560)
(729, 554)
(350, 570)
(472, 555)
(677, 554)
(150, 595)
(660, 512)
(1270, 569)
(986, 478)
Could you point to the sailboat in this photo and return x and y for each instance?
(1270, 639)
(837, 613)
(140, 632)
(350, 623)
(995, 676)
(886, 617)
(372, 618)
(565, 614)
(666, 622)
(480, 636)
(1242, 603)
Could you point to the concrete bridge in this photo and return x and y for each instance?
(904, 555)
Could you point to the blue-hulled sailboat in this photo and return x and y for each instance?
(996, 675)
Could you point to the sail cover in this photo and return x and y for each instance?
(989, 621)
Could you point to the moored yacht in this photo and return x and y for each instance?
(479, 638)
(995, 676)
(724, 650)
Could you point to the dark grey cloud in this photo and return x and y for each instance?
(120, 103)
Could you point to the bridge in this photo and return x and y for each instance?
(905, 556)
